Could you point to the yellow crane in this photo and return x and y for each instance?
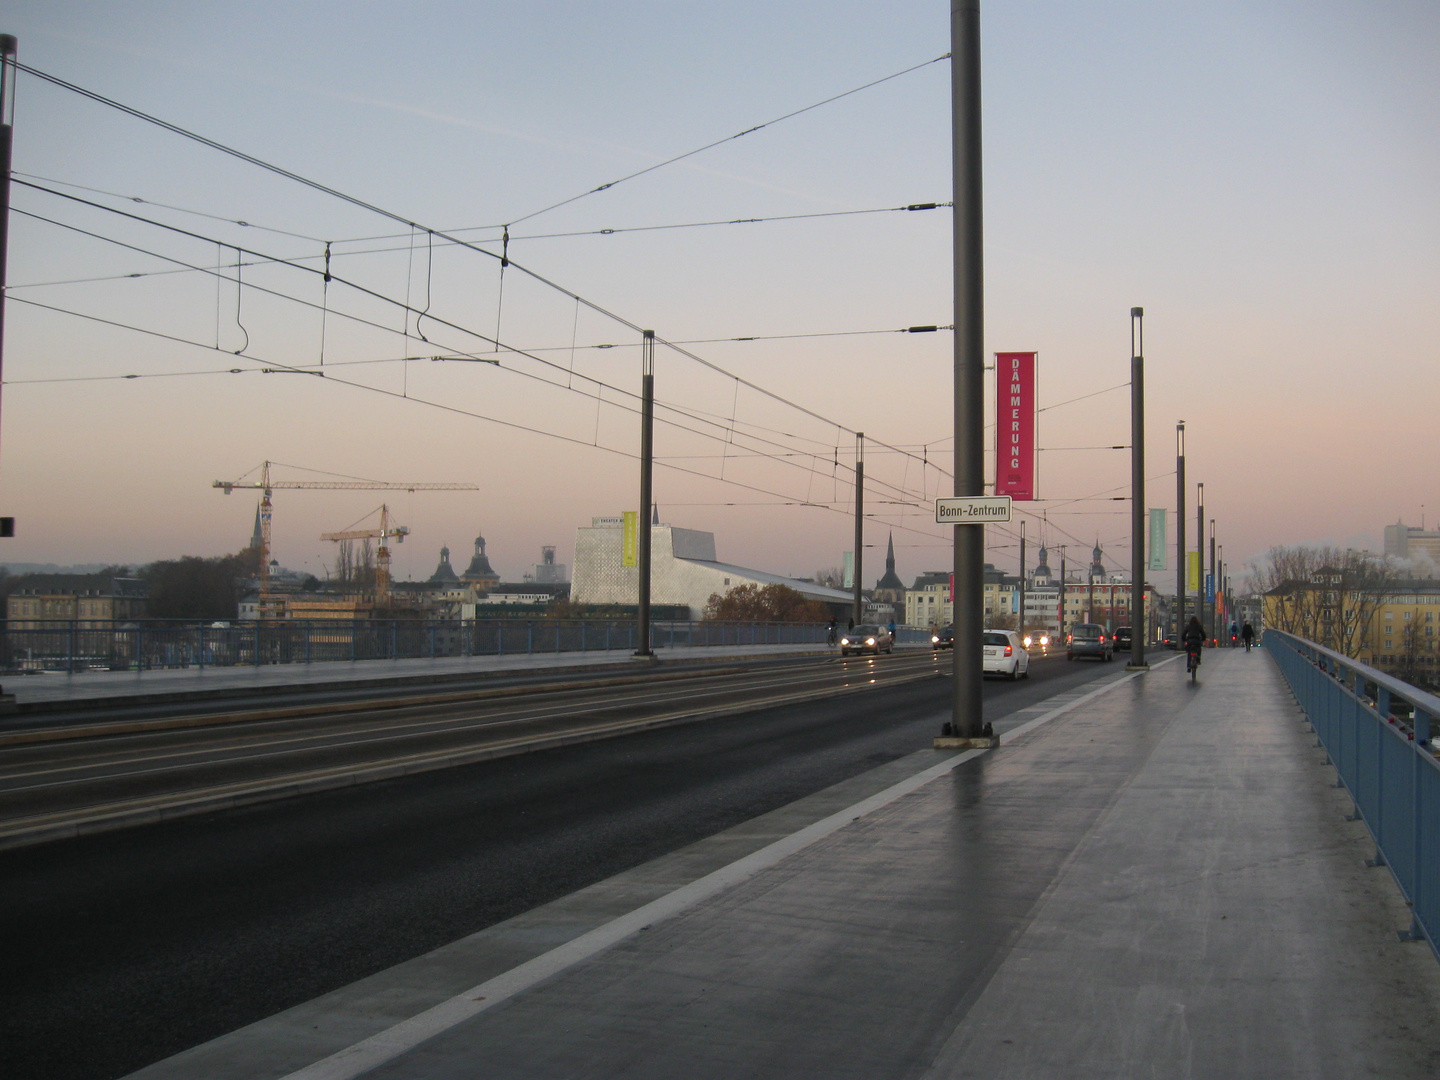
(265, 483)
(382, 553)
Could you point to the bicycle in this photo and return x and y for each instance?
(1192, 662)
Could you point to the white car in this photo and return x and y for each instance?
(1004, 654)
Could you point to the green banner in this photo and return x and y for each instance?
(1194, 571)
(630, 539)
(1157, 538)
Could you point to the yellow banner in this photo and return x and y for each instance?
(630, 539)
(1194, 572)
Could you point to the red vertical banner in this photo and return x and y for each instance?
(1015, 424)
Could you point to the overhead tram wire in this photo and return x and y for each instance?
(456, 410)
(168, 206)
(720, 142)
(499, 346)
(401, 219)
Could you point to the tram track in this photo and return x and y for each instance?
(110, 780)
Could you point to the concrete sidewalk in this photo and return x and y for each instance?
(1148, 879)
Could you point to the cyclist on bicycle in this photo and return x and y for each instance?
(1194, 641)
(830, 632)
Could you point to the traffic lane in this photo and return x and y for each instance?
(126, 948)
(50, 778)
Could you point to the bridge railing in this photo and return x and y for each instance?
(1381, 735)
(86, 645)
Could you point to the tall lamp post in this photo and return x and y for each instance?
(1179, 531)
(969, 364)
(1137, 487)
(1212, 582)
(1200, 551)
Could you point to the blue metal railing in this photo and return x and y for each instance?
(1380, 733)
(81, 645)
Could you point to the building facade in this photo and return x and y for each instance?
(684, 571)
(91, 600)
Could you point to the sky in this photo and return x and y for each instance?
(1260, 177)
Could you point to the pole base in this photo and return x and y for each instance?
(1142, 666)
(958, 742)
(649, 657)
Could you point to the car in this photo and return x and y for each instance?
(1169, 641)
(944, 638)
(1004, 654)
(1089, 639)
(1123, 640)
(1038, 640)
(867, 637)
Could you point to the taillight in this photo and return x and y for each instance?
(1102, 639)
(1069, 638)
(1008, 650)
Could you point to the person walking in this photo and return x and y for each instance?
(1247, 635)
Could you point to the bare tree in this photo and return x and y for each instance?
(1326, 594)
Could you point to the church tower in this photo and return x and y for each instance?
(889, 589)
(479, 573)
(1097, 567)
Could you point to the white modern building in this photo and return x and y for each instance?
(684, 571)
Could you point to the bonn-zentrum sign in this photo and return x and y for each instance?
(972, 510)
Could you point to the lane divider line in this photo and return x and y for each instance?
(386, 1045)
(363, 1056)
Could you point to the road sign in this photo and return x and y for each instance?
(972, 510)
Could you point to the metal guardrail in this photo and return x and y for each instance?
(1378, 732)
(74, 646)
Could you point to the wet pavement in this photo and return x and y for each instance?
(1149, 878)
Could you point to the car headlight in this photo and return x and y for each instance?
(869, 641)
(935, 639)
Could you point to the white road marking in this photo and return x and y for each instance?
(386, 1045)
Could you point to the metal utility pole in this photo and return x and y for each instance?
(859, 517)
(1064, 595)
(9, 48)
(1020, 623)
(1214, 580)
(969, 285)
(1180, 567)
(647, 462)
(1137, 487)
(1200, 550)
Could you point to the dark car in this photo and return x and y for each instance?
(1122, 638)
(867, 637)
(944, 638)
(1089, 639)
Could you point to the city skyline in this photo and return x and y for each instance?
(1258, 177)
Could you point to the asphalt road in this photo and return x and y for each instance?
(122, 948)
(126, 770)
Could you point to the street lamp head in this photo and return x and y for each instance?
(1137, 312)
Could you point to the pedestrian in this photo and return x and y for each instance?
(830, 632)
(1247, 634)
(850, 624)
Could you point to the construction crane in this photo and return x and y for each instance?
(382, 553)
(265, 483)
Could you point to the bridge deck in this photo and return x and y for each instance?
(1154, 880)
